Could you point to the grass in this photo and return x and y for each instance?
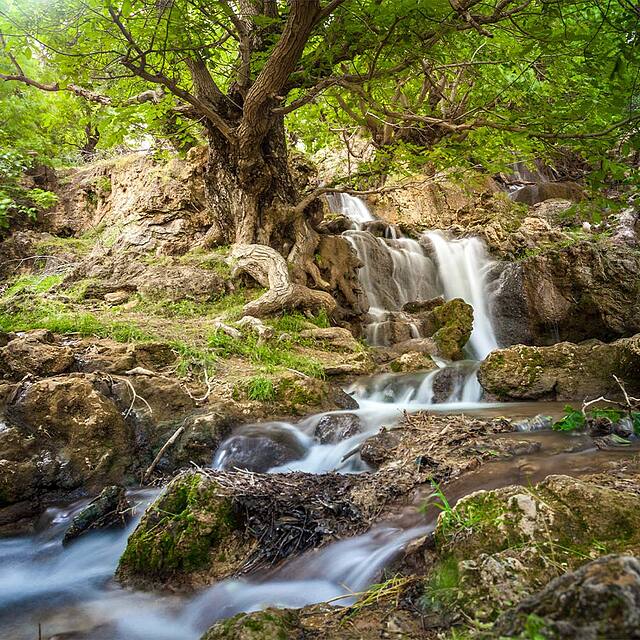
(56, 317)
(32, 284)
(269, 355)
(296, 322)
(261, 388)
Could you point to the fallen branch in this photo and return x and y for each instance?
(176, 434)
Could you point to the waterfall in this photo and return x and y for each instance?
(353, 208)
(396, 270)
(462, 267)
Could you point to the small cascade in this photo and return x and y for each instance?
(353, 208)
(462, 267)
(396, 270)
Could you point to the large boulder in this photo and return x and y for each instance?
(501, 546)
(599, 600)
(564, 371)
(450, 326)
(586, 289)
(63, 435)
(210, 525)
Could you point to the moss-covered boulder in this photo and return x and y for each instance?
(497, 547)
(209, 525)
(190, 535)
(599, 600)
(450, 325)
(270, 624)
(564, 371)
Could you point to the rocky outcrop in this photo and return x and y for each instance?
(589, 289)
(564, 371)
(534, 193)
(502, 546)
(599, 600)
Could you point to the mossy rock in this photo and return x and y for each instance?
(451, 325)
(510, 542)
(191, 534)
(271, 624)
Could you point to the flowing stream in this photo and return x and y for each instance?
(71, 588)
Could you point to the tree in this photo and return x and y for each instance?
(239, 67)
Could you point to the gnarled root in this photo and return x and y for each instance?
(269, 268)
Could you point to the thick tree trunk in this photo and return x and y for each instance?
(250, 195)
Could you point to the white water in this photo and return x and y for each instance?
(462, 268)
(354, 208)
(397, 271)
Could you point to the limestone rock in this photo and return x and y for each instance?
(450, 326)
(599, 600)
(334, 336)
(412, 361)
(563, 371)
(533, 193)
(335, 427)
(34, 353)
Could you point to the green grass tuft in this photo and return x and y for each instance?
(261, 388)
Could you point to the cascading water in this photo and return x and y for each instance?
(45, 582)
(462, 268)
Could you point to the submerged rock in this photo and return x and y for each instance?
(110, 509)
(563, 371)
(599, 600)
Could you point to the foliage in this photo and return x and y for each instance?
(576, 420)
(573, 420)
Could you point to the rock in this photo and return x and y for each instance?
(378, 449)
(416, 345)
(450, 326)
(537, 423)
(508, 543)
(588, 289)
(563, 371)
(270, 624)
(533, 193)
(412, 361)
(117, 297)
(34, 353)
(335, 427)
(553, 210)
(64, 435)
(115, 357)
(336, 337)
(110, 509)
(189, 529)
(178, 282)
(421, 306)
(259, 447)
(599, 600)
(208, 526)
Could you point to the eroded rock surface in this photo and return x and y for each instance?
(564, 371)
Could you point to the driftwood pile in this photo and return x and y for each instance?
(289, 513)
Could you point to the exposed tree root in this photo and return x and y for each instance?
(269, 268)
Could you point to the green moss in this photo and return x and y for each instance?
(32, 284)
(179, 530)
(442, 588)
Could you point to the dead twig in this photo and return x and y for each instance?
(176, 434)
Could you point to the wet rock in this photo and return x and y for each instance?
(422, 306)
(450, 326)
(110, 509)
(537, 423)
(336, 337)
(116, 357)
(599, 600)
(335, 427)
(34, 353)
(191, 528)
(64, 435)
(208, 526)
(379, 448)
(563, 371)
(270, 624)
(260, 447)
(412, 361)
